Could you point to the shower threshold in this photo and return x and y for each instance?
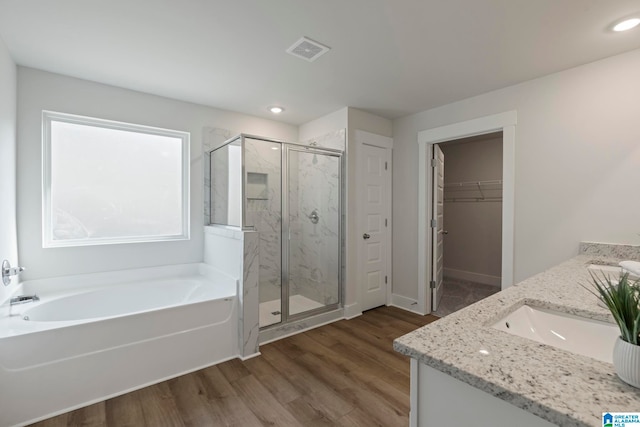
(297, 304)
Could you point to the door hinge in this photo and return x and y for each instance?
(386, 280)
(386, 165)
(434, 223)
(385, 222)
(432, 284)
(434, 163)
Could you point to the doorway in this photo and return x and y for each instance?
(504, 122)
(467, 238)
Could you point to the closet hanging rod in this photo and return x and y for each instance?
(473, 183)
(472, 199)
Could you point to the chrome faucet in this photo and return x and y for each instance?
(23, 299)
(8, 271)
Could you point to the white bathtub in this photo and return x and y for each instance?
(91, 337)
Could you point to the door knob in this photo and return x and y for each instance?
(365, 236)
(445, 232)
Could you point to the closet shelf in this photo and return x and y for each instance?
(465, 185)
(473, 191)
(473, 199)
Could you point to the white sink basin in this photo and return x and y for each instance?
(612, 271)
(576, 334)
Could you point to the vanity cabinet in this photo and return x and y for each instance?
(438, 399)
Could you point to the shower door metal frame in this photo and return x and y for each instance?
(286, 147)
(286, 236)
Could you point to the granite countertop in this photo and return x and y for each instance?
(561, 387)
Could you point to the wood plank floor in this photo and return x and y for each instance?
(342, 374)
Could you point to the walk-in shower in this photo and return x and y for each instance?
(291, 194)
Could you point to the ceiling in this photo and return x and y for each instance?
(388, 57)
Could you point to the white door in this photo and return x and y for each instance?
(437, 226)
(374, 225)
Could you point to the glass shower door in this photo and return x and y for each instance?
(314, 250)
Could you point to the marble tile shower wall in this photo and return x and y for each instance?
(314, 186)
(336, 140)
(264, 211)
(315, 263)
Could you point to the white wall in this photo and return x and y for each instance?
(473, 245)
(8, 242)
(577, 164)
(39, 90)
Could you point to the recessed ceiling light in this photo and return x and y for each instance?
(276, 110)
(627, 24)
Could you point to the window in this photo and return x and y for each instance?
(109, 182)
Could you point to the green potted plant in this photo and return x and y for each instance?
(623, 300)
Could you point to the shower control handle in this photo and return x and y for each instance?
(314, 217)
(366, 236)
(8, 271)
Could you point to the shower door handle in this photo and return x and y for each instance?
(366, 236)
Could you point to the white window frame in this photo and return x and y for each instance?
(47, 232)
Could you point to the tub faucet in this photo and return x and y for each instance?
(23, 299)
(8, 271)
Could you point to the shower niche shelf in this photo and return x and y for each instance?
(257, 186)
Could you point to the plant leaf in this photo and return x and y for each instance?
(623, 301)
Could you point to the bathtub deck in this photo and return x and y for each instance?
(344, 374)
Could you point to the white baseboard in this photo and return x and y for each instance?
(485, 279)
(251, 356)
(405, 303)
(352, 310)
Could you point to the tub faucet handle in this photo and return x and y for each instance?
(8, 271)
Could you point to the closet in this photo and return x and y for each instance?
(472, 249)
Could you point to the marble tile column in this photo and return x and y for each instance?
(236, 253)
(249, 295)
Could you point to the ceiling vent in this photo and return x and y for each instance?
(308, 49)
